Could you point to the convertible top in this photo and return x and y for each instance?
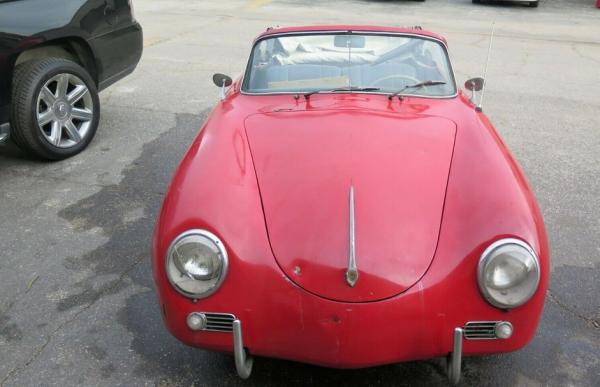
(351, 27)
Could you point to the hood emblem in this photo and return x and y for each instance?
(352, 271)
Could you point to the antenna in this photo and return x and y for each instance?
(479, 107)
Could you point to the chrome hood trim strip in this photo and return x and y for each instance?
(352, 271)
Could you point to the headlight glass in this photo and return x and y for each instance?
(509, 273)
(196, 263)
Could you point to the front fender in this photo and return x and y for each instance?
(488, 198)
(215, 188)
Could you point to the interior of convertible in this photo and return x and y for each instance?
(325, 61)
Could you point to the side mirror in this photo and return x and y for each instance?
(223, 81)
(474, 84)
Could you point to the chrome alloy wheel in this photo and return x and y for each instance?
(65, 110)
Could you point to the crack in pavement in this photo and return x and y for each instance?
(590, 321)
(56, 179)
(38, 351)
(142, 108)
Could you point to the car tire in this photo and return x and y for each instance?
(55, 108)
(534, 4)
(476, 1)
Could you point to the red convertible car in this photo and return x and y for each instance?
(346, 205)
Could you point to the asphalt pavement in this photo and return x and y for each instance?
(77, 302)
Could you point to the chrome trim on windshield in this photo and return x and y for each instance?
(325, 92)
(334, 32)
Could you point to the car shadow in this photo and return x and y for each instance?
(492, 3)
(497, 3)
(9, 150)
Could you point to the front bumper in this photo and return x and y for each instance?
(284, 321)
(221, 322)
(118, 53)
(280, 319)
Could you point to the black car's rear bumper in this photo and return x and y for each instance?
(117, 53)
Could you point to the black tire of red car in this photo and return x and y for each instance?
(534, 4)
(29, 79)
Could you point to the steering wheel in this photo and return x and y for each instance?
(413, 80)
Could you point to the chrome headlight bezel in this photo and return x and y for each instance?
(222, 254)
(488, 255)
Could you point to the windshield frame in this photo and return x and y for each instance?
(245, 79)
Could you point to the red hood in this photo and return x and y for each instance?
(306, 163)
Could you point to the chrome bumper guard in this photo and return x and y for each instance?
(474, 330)
(225, 322)
(243, 359)
(455, 357)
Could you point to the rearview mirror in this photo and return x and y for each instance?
(222, 80)
(352, 41)
(474, 84)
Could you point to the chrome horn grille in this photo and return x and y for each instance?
(487, 330)
(219, 322)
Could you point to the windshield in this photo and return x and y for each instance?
(322, 62)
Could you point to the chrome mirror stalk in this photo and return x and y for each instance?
(223, 82)
(222, 94)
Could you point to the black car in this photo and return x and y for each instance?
(55, 56)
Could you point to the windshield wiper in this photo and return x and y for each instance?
(415, 86)
(347, 88)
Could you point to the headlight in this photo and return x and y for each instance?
(509, 273)
(196, 263)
